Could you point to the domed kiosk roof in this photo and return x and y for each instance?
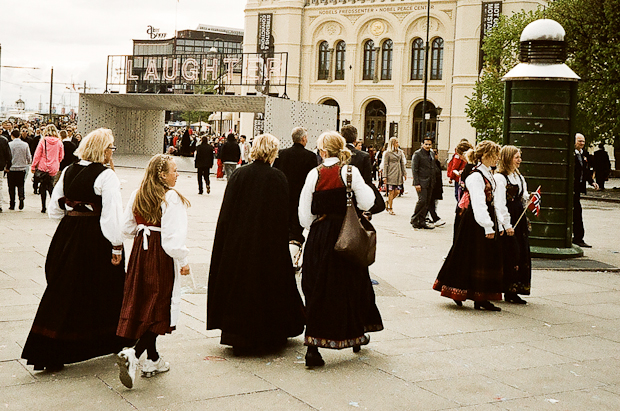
(543, 29)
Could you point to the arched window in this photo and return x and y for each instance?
(387, 50)
(370, 56)
(324, 61)
(417, 59)
(437, 59)
(341, 49)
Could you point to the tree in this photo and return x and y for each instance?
(593, 47)
(501, 48)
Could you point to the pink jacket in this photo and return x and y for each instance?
(55, 153)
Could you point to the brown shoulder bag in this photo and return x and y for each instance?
(357, 241)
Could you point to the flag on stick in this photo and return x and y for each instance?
(534, 205)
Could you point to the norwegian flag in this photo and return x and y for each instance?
(534, 206)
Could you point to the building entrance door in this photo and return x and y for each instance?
(431, 125)
(374, 124)
(334, 103)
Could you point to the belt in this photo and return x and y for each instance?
(82, 214)
(146, 232)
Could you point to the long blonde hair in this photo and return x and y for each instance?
(153, 189)
(335, 145)
(506, 155)
(392, 146)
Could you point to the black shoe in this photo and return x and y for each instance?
(12, 206)
(314, 359)
(457, 302)
(357, 348)
(43, 210)
(582, 244)
(200, 192)
(208, 189)
(513, 298)
(21, 204)
(486, 305)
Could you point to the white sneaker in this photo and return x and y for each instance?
(127, 366)
(439, 223)
(151, 368)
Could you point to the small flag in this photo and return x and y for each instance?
(535, 202)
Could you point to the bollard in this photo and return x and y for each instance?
(539, 115)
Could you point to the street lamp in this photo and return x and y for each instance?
(428, 24)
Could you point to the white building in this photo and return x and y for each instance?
(366, 57)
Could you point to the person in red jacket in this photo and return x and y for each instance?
(47, 158)
(456, 166)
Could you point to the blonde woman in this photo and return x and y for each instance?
(47, 158)
(252, 294)
(340, 301)
(510, 202)
(473, 268)
(393, 171)
(156, 218)
(85, 271)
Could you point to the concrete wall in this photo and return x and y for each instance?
(135, 131)
(281, 116)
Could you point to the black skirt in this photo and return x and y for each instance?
(340, 300)
(473, 268)
(516, 251)
(79, 311)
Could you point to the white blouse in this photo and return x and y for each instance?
(503, 216)
(108, 186)
(173, 226)
(477, 198)
(364, 195)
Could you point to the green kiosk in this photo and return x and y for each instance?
(539, 115)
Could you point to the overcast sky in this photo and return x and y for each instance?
(76, 37)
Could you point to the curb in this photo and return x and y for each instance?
(605, 200)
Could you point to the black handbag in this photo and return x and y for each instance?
(39, 175)
(357, 240)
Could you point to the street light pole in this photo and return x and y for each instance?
(428, 24)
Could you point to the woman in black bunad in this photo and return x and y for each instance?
(252, 293)
(510, 203)
(85, 269)
(463, 200)
(473, 268)
(156, 218)
(340, 301)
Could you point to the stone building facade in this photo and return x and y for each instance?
(366, 57)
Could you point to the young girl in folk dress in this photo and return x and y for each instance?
(156, 218)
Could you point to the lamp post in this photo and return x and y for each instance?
(428, 24)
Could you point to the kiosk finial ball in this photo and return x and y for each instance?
(543, 29)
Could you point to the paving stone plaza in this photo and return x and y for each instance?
(561, 351)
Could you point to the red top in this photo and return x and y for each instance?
(458, 164)
(141, 220)
(329, 178)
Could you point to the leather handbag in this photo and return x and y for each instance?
(357, 241)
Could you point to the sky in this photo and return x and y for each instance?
(75, 37)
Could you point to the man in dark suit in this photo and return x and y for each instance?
(359, 159)
(601, 165)
(423, 167)
(296, 162)
(203, 163)
(582, 175)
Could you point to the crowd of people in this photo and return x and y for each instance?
(93, 306)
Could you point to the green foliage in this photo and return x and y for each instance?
(593, 45)
(501, 47)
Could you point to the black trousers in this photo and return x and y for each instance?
(578, 230)
(421, 208)
(203, 172)
(46, 186)
(16, 179)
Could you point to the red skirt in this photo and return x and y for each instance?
(148, 290)
(220, 169)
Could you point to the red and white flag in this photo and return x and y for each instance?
(534, 206)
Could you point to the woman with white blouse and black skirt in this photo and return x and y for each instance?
(340, 301)
(510, 203)
(473, 268)
(84, 269)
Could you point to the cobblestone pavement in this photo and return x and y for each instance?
(559, 352)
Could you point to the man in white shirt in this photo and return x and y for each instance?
(244, 146)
